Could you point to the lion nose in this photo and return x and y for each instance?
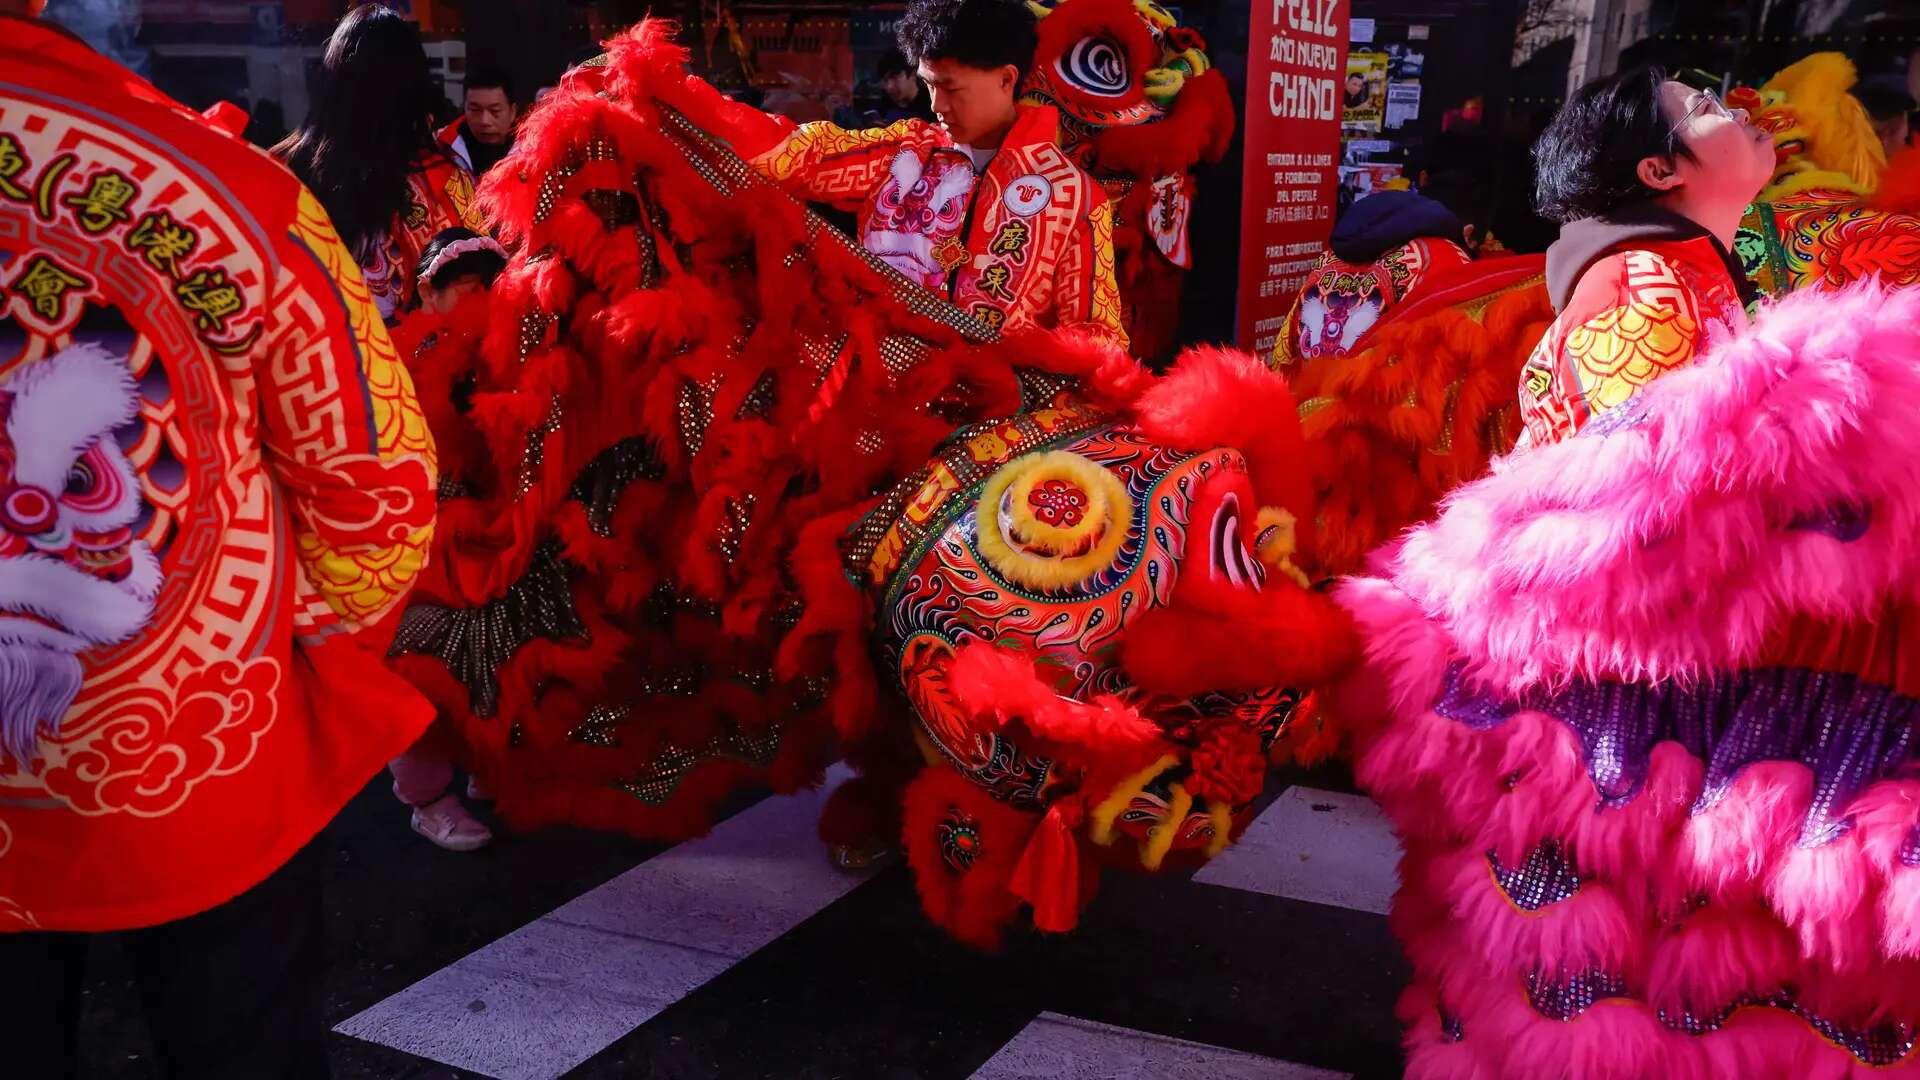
(26, 510)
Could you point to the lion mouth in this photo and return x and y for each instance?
(31, 617)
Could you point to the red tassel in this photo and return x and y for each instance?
(1054, 876)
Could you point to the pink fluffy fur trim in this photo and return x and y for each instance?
(1664, 550)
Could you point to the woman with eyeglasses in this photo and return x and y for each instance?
(1648, 178)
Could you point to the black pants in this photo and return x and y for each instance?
(231, 992)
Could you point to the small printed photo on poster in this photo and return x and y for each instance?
(1359, 181)
(1403, 103)
(1361, 151)
(1364, 100)
(1404, 61)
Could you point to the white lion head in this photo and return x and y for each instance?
(72, 575)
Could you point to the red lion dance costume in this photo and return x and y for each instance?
(1140, 106)
(706, 461)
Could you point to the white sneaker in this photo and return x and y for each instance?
(448, 823)
(476, 790)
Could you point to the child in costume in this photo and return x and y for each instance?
(218, 489)
(455, 271)
(368, 151)
(983, 207)
(1642, 701)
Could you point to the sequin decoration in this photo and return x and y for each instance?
(1878, 1046)
(759, 400)
(1564, 999)
(601, 726)
(450, 488)
(475, 642)
(536, 451)
(601, 484)
(959, 838)
(533, 331)
(694, 411)
(737, 516)
(656, 784)
(1849, 732)
(1910, 850)
(1451, 1028)
(616, 209)
(1545, 878)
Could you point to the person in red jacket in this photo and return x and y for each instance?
(483, 135)
(1649, 178)
(981, 207)
(216, 486)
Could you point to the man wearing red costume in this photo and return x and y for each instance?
(981, 207)
(215, 488)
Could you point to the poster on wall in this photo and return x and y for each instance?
(1403, 103)
(1296, 59)
(1363, 100)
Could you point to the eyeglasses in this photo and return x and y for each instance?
(1704, 101)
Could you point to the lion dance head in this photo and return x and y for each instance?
(72, 575)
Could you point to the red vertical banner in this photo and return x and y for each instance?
(1296, 58)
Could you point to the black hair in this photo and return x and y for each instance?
(369, 125)
(487, 76)
(985, 34)
(487, 264)
(1587, 161)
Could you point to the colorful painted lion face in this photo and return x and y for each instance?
(1823, 138)
(1110, 63)
(922, 205)
(1053, 558)
(72, 577)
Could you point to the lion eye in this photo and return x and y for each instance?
(81, 479)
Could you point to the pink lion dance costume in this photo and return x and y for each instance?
(1642, 705)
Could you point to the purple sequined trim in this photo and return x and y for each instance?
(1545, 878)
(1567, 998)
(1880, 1045)
(1910, 851)
(1625, 416)
(1845, 522)
(1848, 732)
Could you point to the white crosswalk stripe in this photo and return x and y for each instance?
(553, 993)
(1056, 1047)
(1321, 846)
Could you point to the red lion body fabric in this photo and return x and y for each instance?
(694, 438)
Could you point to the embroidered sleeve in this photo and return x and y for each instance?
(1086, 292)
(824, 163)
(343, 435)
(1637, 321)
